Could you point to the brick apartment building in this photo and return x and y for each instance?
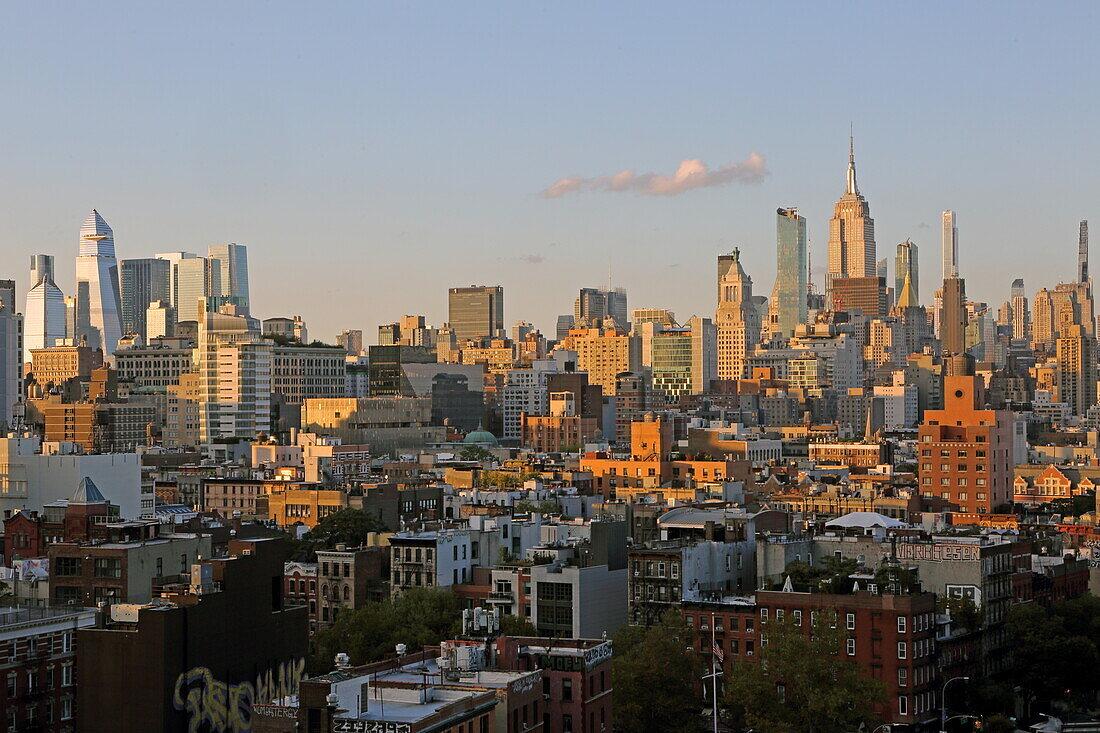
(966, 452)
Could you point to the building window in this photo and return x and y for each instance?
(903, 676)
(108, 567)
(903, 705)
(68, 566)
(850, 621)
(851, 647)
(66, 675)
(901, 649)
(901, 624)
(567, 689)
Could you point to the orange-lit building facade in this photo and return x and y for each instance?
(965, 451)
(650, 467)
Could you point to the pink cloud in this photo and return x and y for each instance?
(691, 174)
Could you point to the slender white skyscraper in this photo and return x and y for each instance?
(44, 316)
(950, 245)
(97, 296)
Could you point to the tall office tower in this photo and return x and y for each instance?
(97, 306)
(234, 364)
(791, 271)
(851, 232)
(1043, 328)
(953, 317)
(70, 318)
(562, 326)
(684, 360)
(950, 245)
(42, 265)
(173, 259)
(352, 341)
(1083, 253)
(231, 262)
(617, 308)
(736, 318)
(11, 353)
(44, 316)
(476, 311)
(194, 279)
(1021, 316)
(142, 281)
(589, 308)
(1076, 358)
(594, 306)
(905, 263)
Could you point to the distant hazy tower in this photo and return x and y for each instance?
(44, 315)
(476, 311)
(950, 245)
(97, 316)
(231, 263)
(851, 232)
(791, 273)
(905, 262)
(953, 317)
(737, 319)
(1083, 253)
(1021, 315)
(11, 352)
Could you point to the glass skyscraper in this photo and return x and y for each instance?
(906, 262)
(142, 282)
(231, 263)
(44, 315)
(791, 285)
(476, 311)
(97, 307)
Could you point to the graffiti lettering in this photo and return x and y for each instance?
(214, 706)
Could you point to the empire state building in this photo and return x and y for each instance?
(851, 232)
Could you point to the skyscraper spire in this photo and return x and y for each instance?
(852, 188)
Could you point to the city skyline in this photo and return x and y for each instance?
(397, 191)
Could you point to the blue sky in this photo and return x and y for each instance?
(371, 155)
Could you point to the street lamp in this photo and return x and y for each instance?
(943, 702)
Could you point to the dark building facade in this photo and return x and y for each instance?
(199, 657)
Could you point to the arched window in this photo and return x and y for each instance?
(347, 592)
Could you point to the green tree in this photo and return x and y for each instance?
(801, 683)
(654, 671)
(475, 453)
(831, 576)
(418, 618)
(999, 724)
(1075, 506)
(346, 527)
(964, 612)
(542, 507)
(512, 625)
(1056, 650)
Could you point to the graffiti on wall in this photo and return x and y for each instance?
(213, 706)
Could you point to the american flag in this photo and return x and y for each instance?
(717, 650)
